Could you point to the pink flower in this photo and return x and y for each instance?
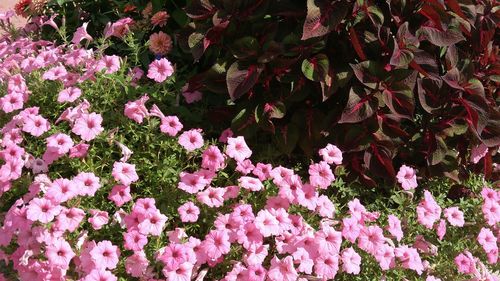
(98, 219)
(385, 257)
(81, 34)
(170, 125)
(160, 70)
(36, 125)
(183, 273)
(55, 73)
(120, 194)
(119, 28)
(153, 223)
(70, 219)
(212, 158)
(100, 275)
(11, 102)
(59, 253)
(350, 229)
(217, 243)
(87, 183)
(238, 149)
(191, 97)
(351, 261)
(329, 240)
(192, 183)
(441, 229)
(487, 240)
(79, 151)
(263, 171)
(327, 266)
(42, 210)
(134, 240)
(491, 211)
(331, 154)
(282, 270)
(188, 212)
(136, 110)
(478, 152)
(454, 216)
(69, 94)
(320, 175)
(110, 63)
(124, 173)
(105, 255)
(428, 211)
(266, 223)
(191, 140)
(409, 258)
(212, 196)
(464, 263)
(250, 183)
(227, 133)
(371, 238)
(88, 126)
(137, 264)
(407, 177)
(394, 227)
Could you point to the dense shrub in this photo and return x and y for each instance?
(389, 82)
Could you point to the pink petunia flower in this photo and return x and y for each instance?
(124, 173)
(134, 240)
(191, 140)
(282, 270)
(238, 149)
(216, 243)
(394, 227)
(136, 110)
(351, 261)
(98, 219)
(81, 34)
(105, 255)
(428, 211)
(42, 210)
(137, 264)
(188, 212)
(454, 216)
(487, 240)
(212, 158)
(227, 133)
(331, 154)
(69, 94)
(160, 70)
(110, 63)
(88, 126)
(321, 175)
(120, 194)
(59, 253)
(464, 263)
(36, 125)
(407, 178)
(266, 223)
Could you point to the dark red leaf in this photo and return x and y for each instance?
(355, 43)
(240, 81)
(359, 107)
(322, 17)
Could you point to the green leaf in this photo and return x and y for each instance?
(180, 17)
(316, 68)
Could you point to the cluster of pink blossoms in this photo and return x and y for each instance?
(49, 240)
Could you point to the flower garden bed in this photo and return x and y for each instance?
(111, 170)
